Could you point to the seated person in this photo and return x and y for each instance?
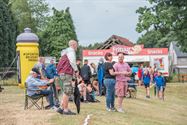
(37, 86)
(95, 86)
(82, 90)
(94, 79)
(90, 94)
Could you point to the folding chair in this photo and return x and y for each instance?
(34, 100)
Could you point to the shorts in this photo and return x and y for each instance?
(146, 85)
(160, 88)
(121, 88)
(67, 86)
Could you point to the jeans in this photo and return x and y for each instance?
(110, 92)
(55, 94)
(49, 94)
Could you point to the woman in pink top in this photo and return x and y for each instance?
(121, 80)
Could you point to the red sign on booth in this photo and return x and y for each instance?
(135, 50)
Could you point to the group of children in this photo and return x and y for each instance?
(158, 81)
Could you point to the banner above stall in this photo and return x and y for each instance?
(135, 50)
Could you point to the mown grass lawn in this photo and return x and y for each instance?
(139, 111)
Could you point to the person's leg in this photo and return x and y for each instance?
(84, 93)
(95, 85)
(49, 94)
(100, 87)
(148, 91)
(120, 93)
(113, 94)
(120, 101)
(68, 90)
(125, 86)
(108, 93)
(161, 92)
(139, 82)
(55, 94)
(155, 90)
(65, 99)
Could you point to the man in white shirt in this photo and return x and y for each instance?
(67, 69)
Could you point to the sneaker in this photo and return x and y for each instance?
(148, 96)
(108, 109)
(85, 101)
(60, 110)
(47, 107)
(54, 108)
(113, 109)
(69, 113)
(120, 110)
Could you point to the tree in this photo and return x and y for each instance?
(39, 12)
(58, 32)
(166, 20)
(30, 13)
(22, 14)
(7, 34)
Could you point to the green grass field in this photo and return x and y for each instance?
(139, 111)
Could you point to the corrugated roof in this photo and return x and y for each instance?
(113, 40)
(179, 53)
(124, 40)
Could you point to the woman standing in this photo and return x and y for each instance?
(109, 82)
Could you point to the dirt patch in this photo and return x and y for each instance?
(12, 110)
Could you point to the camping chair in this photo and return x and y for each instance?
(34, 100)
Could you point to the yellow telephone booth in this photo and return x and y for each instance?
(27, 53)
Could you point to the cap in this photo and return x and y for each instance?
(35, 70)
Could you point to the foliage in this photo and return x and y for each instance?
(163, 22)
(7, 34)
(30, 13)
(90, 47)
(39, 11)
(58, 32)
(22, 14)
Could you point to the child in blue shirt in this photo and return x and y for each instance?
(160, 84)
(146, 81)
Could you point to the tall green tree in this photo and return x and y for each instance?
(163, 22)
(39, 12)
(59, 31)
(22, 14)
(7, 34)
(30, 13)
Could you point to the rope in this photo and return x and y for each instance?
(6, 72)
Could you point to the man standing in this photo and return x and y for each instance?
(121, 79)
(51, 73)
(100, 76)
(67, 68)
(86, 72)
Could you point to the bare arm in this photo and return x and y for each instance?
(111, 71)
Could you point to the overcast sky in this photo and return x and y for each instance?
(97, 20)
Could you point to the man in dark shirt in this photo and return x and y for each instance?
(86, 72)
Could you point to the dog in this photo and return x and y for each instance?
(132, 92)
